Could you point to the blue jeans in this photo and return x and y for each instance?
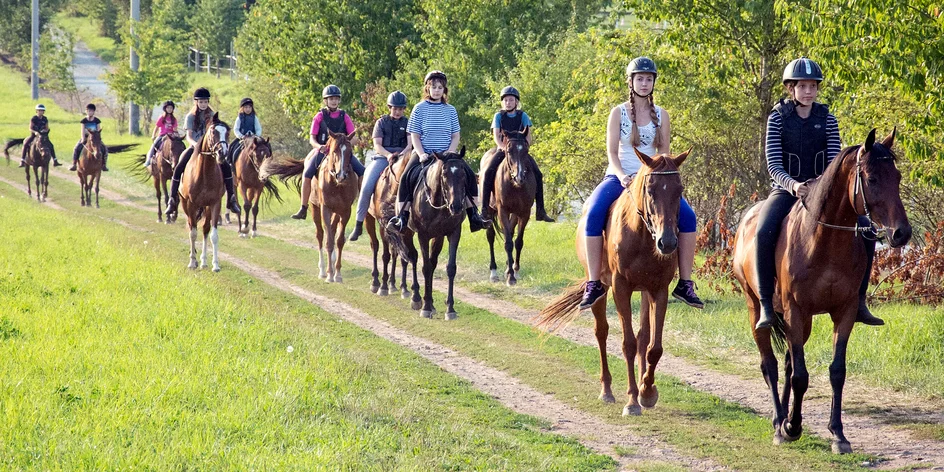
(608, 191)
(371, 176)
(311, 167)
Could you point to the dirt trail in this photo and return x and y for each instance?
(602, 437)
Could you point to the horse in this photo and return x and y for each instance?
(438, 209)
(639, 254)
(382, 208)
(821, 260)
(202, 190)
(247, 171)
(162, 168)
(37, 157)
(89, 171)
(515, 187)
(330, 202)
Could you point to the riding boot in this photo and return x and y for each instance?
(232, 202)
(358, 228)
(476, 222)
(399, 223)
(306, 193)
(767, 314)
(540, 213)
(56, 163)
(865, 316)
(173, 201)
(23, 162)
(75, 165)
(105, 161)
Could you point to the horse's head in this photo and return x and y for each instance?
(880, 183)
(657, 190)
(259, 149)
(93, 143)
(516, 155)
(43, 144)
(215, 137)
(340, 153)
(453, 180)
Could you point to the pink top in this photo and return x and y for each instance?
(166, 124)
(316, 123)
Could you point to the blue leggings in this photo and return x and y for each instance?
(608, 191)
(312, 165)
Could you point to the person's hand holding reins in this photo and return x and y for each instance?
(627, 180)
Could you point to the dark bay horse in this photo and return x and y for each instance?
(89, 171)
(162, 168)
(639, 254)
(515, 187)
(247, 171)
(330, 201)
(37, 158)
(438, 209)
(382, 208)
(821, 260)
(202, 189)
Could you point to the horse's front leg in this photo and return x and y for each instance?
(429, 266)
(648, 393)
(29, 185)
(209, 221)
(842, 328)
(157, 192)
(492, 265)
(601, 329)
(341, 235)
(415, 300)
(519, 244)
(82, 189)
(622, 296)
(330, 243)
(451, 271)
(193, 242)
(255, 213)
(508, 230)
(98, 179)
(319, 235)
(798, 331)
(45, 182)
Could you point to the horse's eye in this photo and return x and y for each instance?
(872, 180)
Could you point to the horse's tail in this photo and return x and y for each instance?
(9, 144)
(284, 169)
(270, 190)
(136, 168)
(496, 225)
(778, 335)
(562, 311)
(395, 239)
(120, 148)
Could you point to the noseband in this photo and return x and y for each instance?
(645, 216)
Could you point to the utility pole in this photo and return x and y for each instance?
(133, 113)
(34, 77)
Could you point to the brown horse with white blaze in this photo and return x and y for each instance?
(162, 168)
(89, 171)
(821, 260)
(247, 171)
(640, 254)
(37, 158)
(202, 189)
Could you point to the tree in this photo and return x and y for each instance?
(215, 24)
(15, 32)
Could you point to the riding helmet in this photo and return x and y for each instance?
(201, 94)
(641, 64)
(436, 74)
(168, 103)
(41, 107)
(802, 69)
(90, 106)
(245, 101)
(396, 99)
(509, 90)
(331, 91)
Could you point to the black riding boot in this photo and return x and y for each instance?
(358, 229)
(399, 223)
(864, 315)
(476, 222)
(540, 213)
(232, 203)
(173, 201)
(488, 181)
(104, 159)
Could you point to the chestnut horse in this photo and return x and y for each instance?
(821, 260)
(37, 158)
(202, 189)
(438, 210)
(639, 254)
(162, 168)
(515, 187)
(89, 171)
(382, 208)
(247, 170)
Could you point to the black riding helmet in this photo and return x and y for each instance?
(802, 69)
(331, 91)
(201, 94)
(436, 74)
(168, 103)
(509, 90)
(245, 101)
(396, 99)
(641, 64)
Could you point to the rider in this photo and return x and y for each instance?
(624, 132)
(38, 124)
(166, 124)
(247, 124)
(433, 128)
(89, 123)
(802, 139)
(390, 141)
(513, 122)
(195, 124)
(332, 119)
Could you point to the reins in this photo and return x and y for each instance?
(865, 231)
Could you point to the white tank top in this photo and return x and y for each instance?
(647, 134)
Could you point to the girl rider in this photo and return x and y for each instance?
(195, 124)
(433, 128)
(246, 124)
(166, 124)
(89, 123)
(802, 139)
(38, 124)
(640, 124)
(513, 122)
(332, 119)
(390, 141)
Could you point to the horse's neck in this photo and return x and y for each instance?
(634, 209)
(837, 210)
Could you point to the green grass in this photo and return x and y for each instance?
(85, 30)
(113, 356)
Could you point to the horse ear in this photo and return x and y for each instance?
(351, 136)
(679, 159)
(267, 140)
(462, 152)
(643, 157)
(869, 141)
(890, 139)
(216, 117)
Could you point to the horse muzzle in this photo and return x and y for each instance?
(667, 243)
(898, 237)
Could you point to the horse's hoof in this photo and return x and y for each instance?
(383, 292)
(778, 438)
(517, 274)
(338, 279)
(841, 447)
(607, 398)
(227, 219)
(216, 268)
(96, 206)
(493, 276)
(192, 265)
(632, 410)
(374, 288)
(243, 235)
(786, 435)
(451, 315)
(648, 397)
(428, 314)
(253, 234)
(416, 304)
(511, 282)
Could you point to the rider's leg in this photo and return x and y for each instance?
(232, 202)
(154, 147)
(685, 290)
(772, 213)
(540, 213)
(405, 194)
(865, 316)
(488, 181)
(371, 176)
(75, 155)
(476, 222)
(311, 170)
(235, 148)
(175, 181)
(597, 212)
(55, 160)
(357, 166)
(104, 152)
(26, 145)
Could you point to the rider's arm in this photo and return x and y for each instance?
(454, 125)
(258, 126)
(315, 127)
(833, 143)
(612, 142)
(497, 136)
(774, 151)
(154, 131)
(349, 129)
(379, 149)
(417, 144)
(454, 144)
(236, 127)
(665, 127)
(528, 132)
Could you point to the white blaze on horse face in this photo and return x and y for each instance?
(343, 150)
(520, 147)
(453, 169)
(664, 186)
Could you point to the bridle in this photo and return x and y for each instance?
(442, 186)
(870, 232)
(645, 216)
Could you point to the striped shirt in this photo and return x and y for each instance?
(435, 123)
(774, 150)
